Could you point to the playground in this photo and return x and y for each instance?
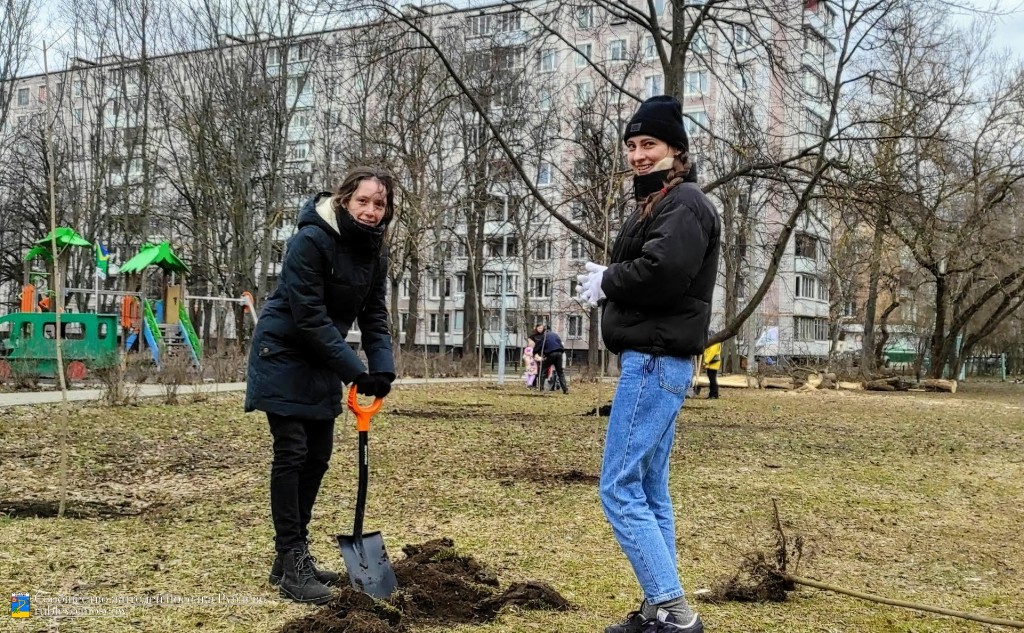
(152, 322)
(912, 496)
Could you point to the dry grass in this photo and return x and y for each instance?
(914, 496)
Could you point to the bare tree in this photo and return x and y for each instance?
(943, 177)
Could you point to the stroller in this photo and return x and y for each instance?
(551, 381)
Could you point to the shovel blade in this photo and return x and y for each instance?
(366, 561)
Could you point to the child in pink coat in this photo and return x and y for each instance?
(531, 366)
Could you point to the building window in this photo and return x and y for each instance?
(440, 285)
(540, 287)
(302, 119)
(814, 44)
(806, 246)
(810, 329)
(574, 326)
(492, 284)
(813, 124)
(850, 308)
(584, 92)
(22, 96)
(584, 17)
(652, 85)
(548, 60)
(544, 173)
(740, 36)
(435, 320)
(617, 50)
(460, 320)
(403, 289)
(298, 53)
(460, 283)
(576, 250)
(810, 287)
(583, 53)
(298, 151)
(695, 123)
(544, 99)
(542, 251)
(812, 84)
(502, 247)
(650, 51)
(699, 43)
(742, 78)
(696, 83)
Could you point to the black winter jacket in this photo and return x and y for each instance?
(546, 342)
(329, 278)
(662, 277)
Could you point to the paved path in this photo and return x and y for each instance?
(53, 396)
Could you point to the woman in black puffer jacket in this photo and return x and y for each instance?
(334, 272)
(656, 294)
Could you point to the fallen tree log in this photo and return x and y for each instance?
(938, 384)
(732, 381)
(781, 382)
(849, 386)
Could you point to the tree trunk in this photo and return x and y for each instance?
(938, 355)
(412, 326)
(867, 351)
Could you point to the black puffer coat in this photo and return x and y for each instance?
(662, 277)
(330, 278)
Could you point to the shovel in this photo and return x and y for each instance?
(366, 558)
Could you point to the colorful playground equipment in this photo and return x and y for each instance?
(153, 319)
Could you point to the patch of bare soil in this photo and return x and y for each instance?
(75, 509)
(573, 476)
(437, 586)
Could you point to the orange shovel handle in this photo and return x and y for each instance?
(362, 415)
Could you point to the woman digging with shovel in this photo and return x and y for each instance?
(656, 294)
(334, 272)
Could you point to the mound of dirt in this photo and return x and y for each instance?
(604, 411)
(437, 586)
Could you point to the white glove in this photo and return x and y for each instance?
(590, 283)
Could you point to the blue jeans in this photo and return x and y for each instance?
(634, 474)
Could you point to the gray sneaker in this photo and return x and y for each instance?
(667, 623)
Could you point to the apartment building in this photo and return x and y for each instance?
(570, 61)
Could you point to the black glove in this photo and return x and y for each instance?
(376, 385)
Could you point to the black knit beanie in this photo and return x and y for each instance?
(662, 118)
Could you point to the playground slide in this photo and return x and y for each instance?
(151, 343)
(188, 334)
(151, 330)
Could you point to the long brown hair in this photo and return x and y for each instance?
(677, 175)
(351, 182)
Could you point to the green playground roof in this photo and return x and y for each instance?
(159, 255)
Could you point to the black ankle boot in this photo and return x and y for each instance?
(633, 623)
(298, 579)
(325, 576)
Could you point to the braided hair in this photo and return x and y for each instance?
(677, 175)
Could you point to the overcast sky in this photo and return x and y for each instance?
(1008, 30)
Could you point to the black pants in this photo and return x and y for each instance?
(712, 383)
(555, 359)
(302, 449)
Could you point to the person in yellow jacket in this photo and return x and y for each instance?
(712, 363)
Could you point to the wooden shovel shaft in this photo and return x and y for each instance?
(900, 603)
